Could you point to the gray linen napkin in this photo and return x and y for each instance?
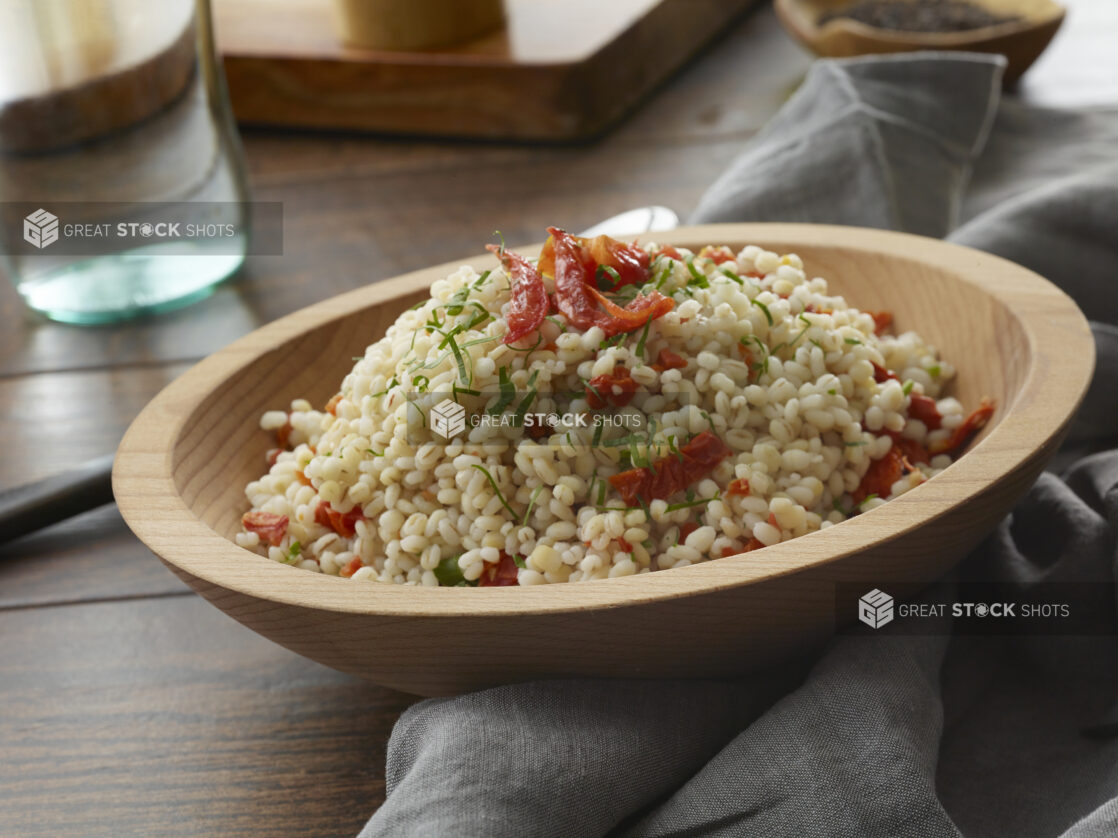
(887, 734)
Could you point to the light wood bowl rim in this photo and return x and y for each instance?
(1061, 362)
(793, 14)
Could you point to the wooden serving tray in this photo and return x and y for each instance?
(560, 71)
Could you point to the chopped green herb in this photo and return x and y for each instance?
(420, 382)
(294, 550)
(508, 392)
(603, 283)
(458, 359)
(457, 391)
(662, 277)
(449, 573)
(374, 453)
(519, 562)
(458, 301)
(852, 341)
(908, 385)
(531, 503)
(698, 278)
(726, 272)
(529, 397)
(690, 503)
(643, 337)
(832, 392)
(493, 483)
(866, 500)
(599, 428)
(555, 320)
(481, 280)
(935, 370)
(765, 309)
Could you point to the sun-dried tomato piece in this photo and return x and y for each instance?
(267, 525)
(283, 435)
(686, 530)
(881, 375)
(718, 254)
(882, 320)
(583, 305)
(923, 408)
(668, 360)
(343, 523)
(738, 486)
(638, 312)
(501, 574)
(961, 436)
(355, 564)
(615, 388)
(882, 474)
(912, 450)
(629, 261)
(673, 473)
(528, 300)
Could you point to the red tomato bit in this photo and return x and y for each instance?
(628, 261)
(673, 473)
(880, 374)
(882, 320)
(719, 255)
(923, 408)
(882, 474)
(354, 565)
(738, 486)
(615, 388)
(344, 524)
(332, 405)
(668, 360)
(961, 436)
(579, 301)
(912, 450)
(499, 575)
(528, 300)
(267, 525)
(283, 435)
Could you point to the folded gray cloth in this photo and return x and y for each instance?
(888, 733)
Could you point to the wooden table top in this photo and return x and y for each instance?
(132, 706)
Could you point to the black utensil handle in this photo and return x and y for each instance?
(28, 508)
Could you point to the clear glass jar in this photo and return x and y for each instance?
(122, 185)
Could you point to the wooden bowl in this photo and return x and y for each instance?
(181, 470)
(1021, 41)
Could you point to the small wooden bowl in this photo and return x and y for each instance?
(181, 470)
(1021, 41)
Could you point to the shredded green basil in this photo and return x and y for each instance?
(764, 309)
(531, 503)
(493, 483)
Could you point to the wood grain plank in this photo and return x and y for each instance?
(91, 557)
(62, 419)
(557, 72)
(162, 718)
